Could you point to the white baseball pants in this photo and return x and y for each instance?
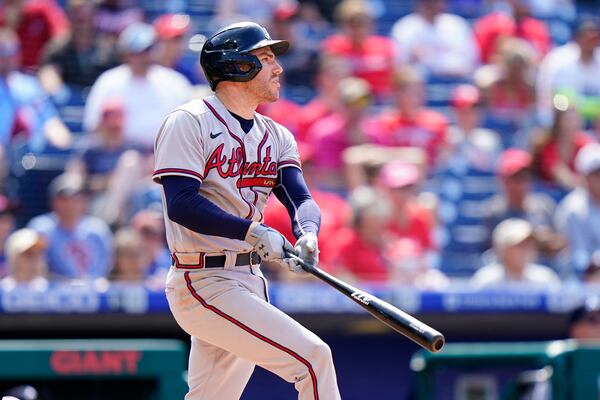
(234, 328)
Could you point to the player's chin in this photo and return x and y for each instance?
(273, 95)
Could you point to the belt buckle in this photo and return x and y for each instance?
(183, 261)
(251, 254)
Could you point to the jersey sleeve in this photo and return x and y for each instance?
(288, 156)
(178, 148)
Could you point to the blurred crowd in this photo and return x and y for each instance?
(444, 140)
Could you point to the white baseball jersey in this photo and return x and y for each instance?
(226, 310)
(238, 170)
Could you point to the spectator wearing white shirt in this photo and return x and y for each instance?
(514, 247)
(578, 215)
(551, 64)
(580, 76)
(546, 74)
(149, 91)
(440, 43)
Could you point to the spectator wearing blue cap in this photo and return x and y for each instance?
(149, 91)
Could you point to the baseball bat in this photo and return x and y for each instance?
(403, 323)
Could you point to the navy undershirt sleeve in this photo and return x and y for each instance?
(292, 192)
(190, 209)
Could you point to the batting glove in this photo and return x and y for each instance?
(269, 244)
(292, 264)
(307, 248)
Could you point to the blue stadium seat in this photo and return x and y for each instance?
(463, 236)
(72, 107)
(29, 176)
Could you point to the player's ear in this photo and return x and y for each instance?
(244, 67)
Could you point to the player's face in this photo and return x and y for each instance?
(266, 84)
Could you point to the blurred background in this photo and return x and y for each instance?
(453, 147)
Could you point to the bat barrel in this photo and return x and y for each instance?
(403, 323)
(438, 343)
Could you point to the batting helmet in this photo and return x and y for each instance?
(225, 56)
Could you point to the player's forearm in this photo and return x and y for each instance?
(195, 212)
(293, 193)
(309, 218)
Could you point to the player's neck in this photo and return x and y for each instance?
(238, 102)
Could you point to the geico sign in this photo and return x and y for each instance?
(62, 300)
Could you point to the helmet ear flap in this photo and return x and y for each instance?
(235, 68)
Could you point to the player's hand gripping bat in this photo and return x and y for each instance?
(398, 320)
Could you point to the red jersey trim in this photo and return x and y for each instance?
(293, 163)
(176, 171)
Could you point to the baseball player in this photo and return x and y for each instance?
(218, 161)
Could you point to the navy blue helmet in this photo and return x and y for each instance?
(225, 56)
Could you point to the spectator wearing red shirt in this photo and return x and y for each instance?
(333, 134)
(369, 251)
(411, 225)
(285, 112)
(335, 215)
(363, 247)
(410, 124)
(371, 57)
(41, 25)
(555, 150)
(409, 219)
(491, 29)
(327, 99)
